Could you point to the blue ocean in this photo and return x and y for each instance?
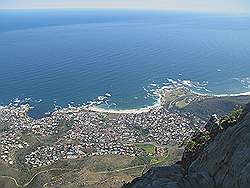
(52, 58)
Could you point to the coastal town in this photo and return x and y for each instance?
(77, 132)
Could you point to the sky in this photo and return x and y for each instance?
(228, 6)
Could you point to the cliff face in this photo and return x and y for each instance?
(223, 162)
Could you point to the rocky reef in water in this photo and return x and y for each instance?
(218, 157)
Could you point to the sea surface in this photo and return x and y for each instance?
(51, 58)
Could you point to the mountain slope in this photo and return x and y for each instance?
(224, 162)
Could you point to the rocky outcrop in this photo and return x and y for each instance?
(222, 162)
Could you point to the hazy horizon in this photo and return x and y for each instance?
(218, 6)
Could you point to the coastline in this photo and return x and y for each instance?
(161, 95)
(156, 105)
(124, 111)
(234, 95)
(222, 95)
(159, 103)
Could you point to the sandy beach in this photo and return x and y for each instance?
(156, 105)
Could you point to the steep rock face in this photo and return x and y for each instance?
(223, 163)
(227, 158)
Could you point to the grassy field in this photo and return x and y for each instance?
(182, 103)
(7, 183)
(148, 148)
(105, 171)
(92, 172)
